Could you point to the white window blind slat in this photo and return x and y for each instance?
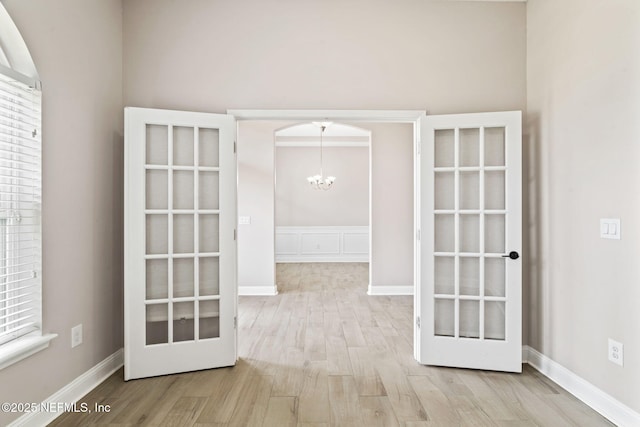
(5, 141)
(28, 227)
(13, 90)
(18, 105)
(19, 330)
(13, 274)
(7, 135)
(18, 312)
(16, 299)
(25, 328)
(18, 288)
(13, 152)
(20, 209)
(15, 119)
(11, 282)
(16, 131)
(25, 111)
(16, 323)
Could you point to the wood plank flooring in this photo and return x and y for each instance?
(323, 353)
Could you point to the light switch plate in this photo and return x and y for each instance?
(610, 228)
(244, 220)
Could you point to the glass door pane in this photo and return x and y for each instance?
(180, 219)
(187, 225)
(470, 233)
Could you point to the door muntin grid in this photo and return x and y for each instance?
(470, 233)
(182, 234)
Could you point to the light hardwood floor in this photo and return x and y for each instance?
(323, 353)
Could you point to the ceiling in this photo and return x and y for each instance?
(335, 135)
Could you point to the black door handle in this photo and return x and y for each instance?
(512, 255)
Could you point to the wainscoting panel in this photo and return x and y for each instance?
(322, 244)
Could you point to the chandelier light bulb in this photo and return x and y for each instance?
(319, 182)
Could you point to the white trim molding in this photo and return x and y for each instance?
(14, 54)
(389, 290)
(74, 391)
(322, 244)
(23, 347)
(392, 116)
(267, 290)
(603, 403)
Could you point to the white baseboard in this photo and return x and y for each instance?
(73, 391)
(609, 407)
(389, 290)
(269, 290)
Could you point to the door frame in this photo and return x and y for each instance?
(413, 117)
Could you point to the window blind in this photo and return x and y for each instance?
(20, 209)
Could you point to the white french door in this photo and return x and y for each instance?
(180, 248)
(469, 298)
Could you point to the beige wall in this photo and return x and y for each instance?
(584, 145)
(256, 197)
(77, 48)
(391, 203)
(299, 204)
(362, 54)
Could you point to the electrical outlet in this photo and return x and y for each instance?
(616, 352)
(76, 335)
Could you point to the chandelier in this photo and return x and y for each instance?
(319, 182)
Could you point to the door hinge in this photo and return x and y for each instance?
(235, 234)
(419, 146)
(234, 147)
(418, 234)
(235, 322)
(418, 321)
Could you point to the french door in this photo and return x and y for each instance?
(469, 296)
(180, 248)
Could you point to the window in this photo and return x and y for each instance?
(20, 201)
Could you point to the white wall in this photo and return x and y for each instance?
(299, 204)
(584, 145)
(77, 48)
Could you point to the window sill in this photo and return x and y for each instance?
(21, 348)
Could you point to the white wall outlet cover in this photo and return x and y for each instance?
(76, 335)
(244, 220)
(616, 352)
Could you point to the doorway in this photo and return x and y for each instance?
(391, 198)
(329, 222)
(471, 165)
(424, 129)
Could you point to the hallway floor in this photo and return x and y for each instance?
(323, 353)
